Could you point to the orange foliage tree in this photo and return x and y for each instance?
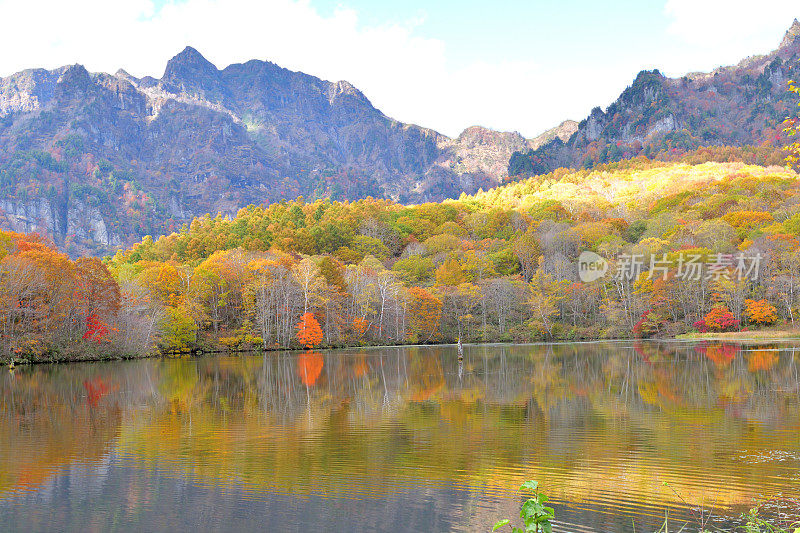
(49, 302)
(360, 326)
(308, 331)
(425, 313)
(37, 294)
(760, 312)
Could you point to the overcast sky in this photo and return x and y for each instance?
(509, 65)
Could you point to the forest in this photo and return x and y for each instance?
(715, 246)
(501, 265)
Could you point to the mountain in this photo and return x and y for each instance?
(738, 105)
(98, 160)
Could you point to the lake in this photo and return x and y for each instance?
(401, 439)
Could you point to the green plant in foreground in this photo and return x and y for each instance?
(756, 524)
(535, 515)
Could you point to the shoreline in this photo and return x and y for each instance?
(743, 336)
(748, 337)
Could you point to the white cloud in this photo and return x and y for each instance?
(729, 30)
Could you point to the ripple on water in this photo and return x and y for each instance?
(397, 440)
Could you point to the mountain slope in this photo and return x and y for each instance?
(98, 160)
(738, 105)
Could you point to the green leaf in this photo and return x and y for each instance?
(530, 486)
(500, 523)
(530, 509)
(547, 527)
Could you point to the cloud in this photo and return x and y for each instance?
(744, 26)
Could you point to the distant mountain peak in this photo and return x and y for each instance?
(77, 70)
(74, 78)
(791, 34)
(190, 56)
(189, 68)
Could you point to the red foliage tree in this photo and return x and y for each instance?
(650, 324)
(718, 319)
(96, 329)
(98, 296)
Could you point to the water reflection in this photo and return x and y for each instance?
(400, 439)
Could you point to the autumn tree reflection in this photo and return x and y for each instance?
(380, 417)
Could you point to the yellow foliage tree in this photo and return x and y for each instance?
(760, 312)
(450, 273)
(792, 128)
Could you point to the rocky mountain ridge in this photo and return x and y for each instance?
(96, 161)
(145, 155)
(739, 105)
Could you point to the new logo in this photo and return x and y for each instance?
(591, 267)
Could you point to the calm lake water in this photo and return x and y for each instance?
(400, 439)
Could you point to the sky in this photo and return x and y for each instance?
(511, 65)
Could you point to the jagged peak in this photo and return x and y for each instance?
(648, 77)
(189, 53)
(344, 86)
(791, 34)
(76, 69)
(74, 82)
(76, 75)
(189, 64)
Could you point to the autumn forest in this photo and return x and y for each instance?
(499, 265)
(237, 294)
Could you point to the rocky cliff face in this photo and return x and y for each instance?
(129, 155)
(743, 104)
